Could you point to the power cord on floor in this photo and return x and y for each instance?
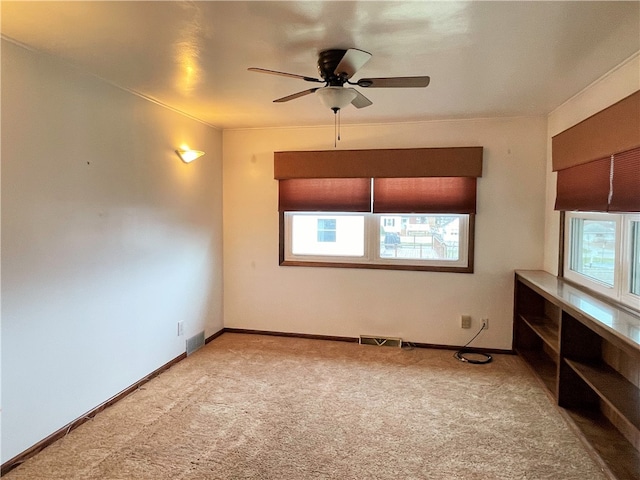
(408, 346)
(485, 357)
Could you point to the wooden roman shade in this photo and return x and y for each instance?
(422, 180)
(613, 130)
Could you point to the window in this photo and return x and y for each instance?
(593, 248)
(602, 252)
(409, 209)
(326, 230)
(310, 236)
(435, 241)
(389, 221)
(632, 272)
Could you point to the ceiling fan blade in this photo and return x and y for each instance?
(360, 101)
(352, 61)
(296, 95)
(284, 74)
(394, 82)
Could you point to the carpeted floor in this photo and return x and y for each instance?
(259, 407)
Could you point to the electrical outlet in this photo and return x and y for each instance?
(465, 321)
(180, 329)
(485, 323)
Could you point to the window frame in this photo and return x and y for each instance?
(371, 258)
(292, 257)
(626, 296)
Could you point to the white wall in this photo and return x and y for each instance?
(417, 306)
(621, 82)
(108, 240)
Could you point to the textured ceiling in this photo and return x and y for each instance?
(484, 58)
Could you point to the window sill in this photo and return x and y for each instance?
(614, 303)
(377, 266)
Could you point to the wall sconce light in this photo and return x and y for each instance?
(187, 155)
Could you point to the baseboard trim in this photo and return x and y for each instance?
(214, 336)
(58, 434)
(291, 335)
(469, 349)
(355, 340)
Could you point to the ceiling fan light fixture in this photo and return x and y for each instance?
(336, 97)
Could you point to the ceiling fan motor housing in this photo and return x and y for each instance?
(328, 61)
(336, 67)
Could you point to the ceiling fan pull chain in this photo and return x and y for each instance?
(339, 124)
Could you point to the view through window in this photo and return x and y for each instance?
(593, 249)
(382, 239)
(435, 237)
(602, 252)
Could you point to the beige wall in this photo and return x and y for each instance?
(616, 85)
(108, 240)
(417, 306)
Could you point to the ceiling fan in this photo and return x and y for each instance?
(336, 67)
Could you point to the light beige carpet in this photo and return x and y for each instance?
(258, 407)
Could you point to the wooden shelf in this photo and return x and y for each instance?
(545, 329)
(543, 366)
(587, 354)
(615, 390)
(616, 454)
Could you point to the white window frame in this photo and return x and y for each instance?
(620, 291)
(372, 256)
(291, 257)
(626, 296)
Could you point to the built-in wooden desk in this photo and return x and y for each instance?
(587, 354)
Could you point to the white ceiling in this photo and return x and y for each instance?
(484, 58)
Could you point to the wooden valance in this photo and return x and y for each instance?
(383, 163)
(613, 130)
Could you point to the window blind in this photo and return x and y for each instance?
(424, 195)
(584, 187)
(625, 183)
(324, 195)
(610, 184)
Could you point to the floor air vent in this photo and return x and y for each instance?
(195, 342)
(380, 341)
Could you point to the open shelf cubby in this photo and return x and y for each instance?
(586, 352)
